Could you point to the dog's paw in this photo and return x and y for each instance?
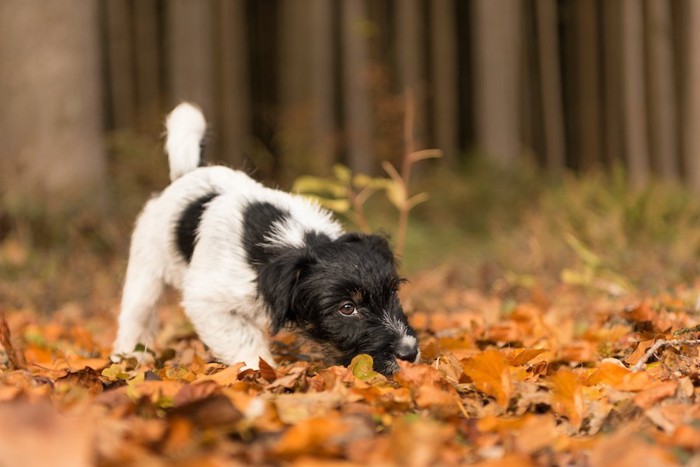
(142, 355)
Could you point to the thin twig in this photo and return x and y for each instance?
(15, 358)
(406, 163)
(657, 345)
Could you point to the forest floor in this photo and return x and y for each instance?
(567, 334)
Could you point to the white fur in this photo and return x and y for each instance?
(218, 285)
(185, 127)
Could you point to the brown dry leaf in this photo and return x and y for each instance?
(293, 408)
(294, 378)
(87, 378)
(580, 351)
(628, 446)
(418, 442)
(32, 435)
(523, 356)
(639, 352)
(489, 371)
(226, 376)
(266, 371)
(536, 432)
(613, 373)
(510, 460)
(440, 402)
(194, 392)
(567, 397)
(212, 411)
(312, 436)
(655, 393)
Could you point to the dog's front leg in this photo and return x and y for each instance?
(232, 337)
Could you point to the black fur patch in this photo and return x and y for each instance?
(257, 220)
(186, 229)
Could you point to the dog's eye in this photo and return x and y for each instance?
(348, 308)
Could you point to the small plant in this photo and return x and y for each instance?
(346, 193)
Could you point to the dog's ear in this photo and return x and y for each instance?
(277, 283)
(378, 242)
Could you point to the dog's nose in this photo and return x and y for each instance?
(408, 353)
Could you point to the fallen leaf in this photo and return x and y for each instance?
(316, 436)
(33, 434)
(567, 397)
(655, 393)
(190, 393)
(293, 408)
(490, 374)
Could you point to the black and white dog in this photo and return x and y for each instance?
(250, 259)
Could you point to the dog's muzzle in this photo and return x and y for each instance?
(407, 349)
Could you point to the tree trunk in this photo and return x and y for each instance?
(234, 99)
(636, 148)
(191, 54)
(587, 103)
(691, 93)
(660, 70)
(410, 37)
(550, 84)
(612, 83)
(444, 83)
(497, 39)
(148, 65)
(322, 85)
(120, 64)
(51, 122)
(356, 102)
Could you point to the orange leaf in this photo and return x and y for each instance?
(523, 356)
(567, 396)
(311, 436)
(618, 376)
(655, 393)
(266, 371)
(490, 374)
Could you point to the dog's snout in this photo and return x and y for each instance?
(407, 353)
(407, 349)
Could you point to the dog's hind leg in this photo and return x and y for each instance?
(138, 320)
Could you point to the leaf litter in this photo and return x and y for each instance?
(567, 377)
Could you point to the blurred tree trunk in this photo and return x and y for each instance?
(691, 94)
(148, 65)
(306, 84)
(550, 84)
(612, 83)
(190, 47)
(120, 64)
(635, 123)
(587, 80)
(496, 29)
(444, 77)
(322, 85)
(51, 123)
(410, 37)
(233, 74)
(660, 70)
(356, 103)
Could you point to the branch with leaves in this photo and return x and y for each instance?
(346, 193)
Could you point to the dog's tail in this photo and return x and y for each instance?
(184, 143)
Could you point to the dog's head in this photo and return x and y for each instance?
(343, 294)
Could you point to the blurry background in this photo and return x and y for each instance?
(568, 127)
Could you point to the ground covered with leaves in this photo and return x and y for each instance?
(552, 328)
(558, 377)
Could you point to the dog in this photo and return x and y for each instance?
(251, 260)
